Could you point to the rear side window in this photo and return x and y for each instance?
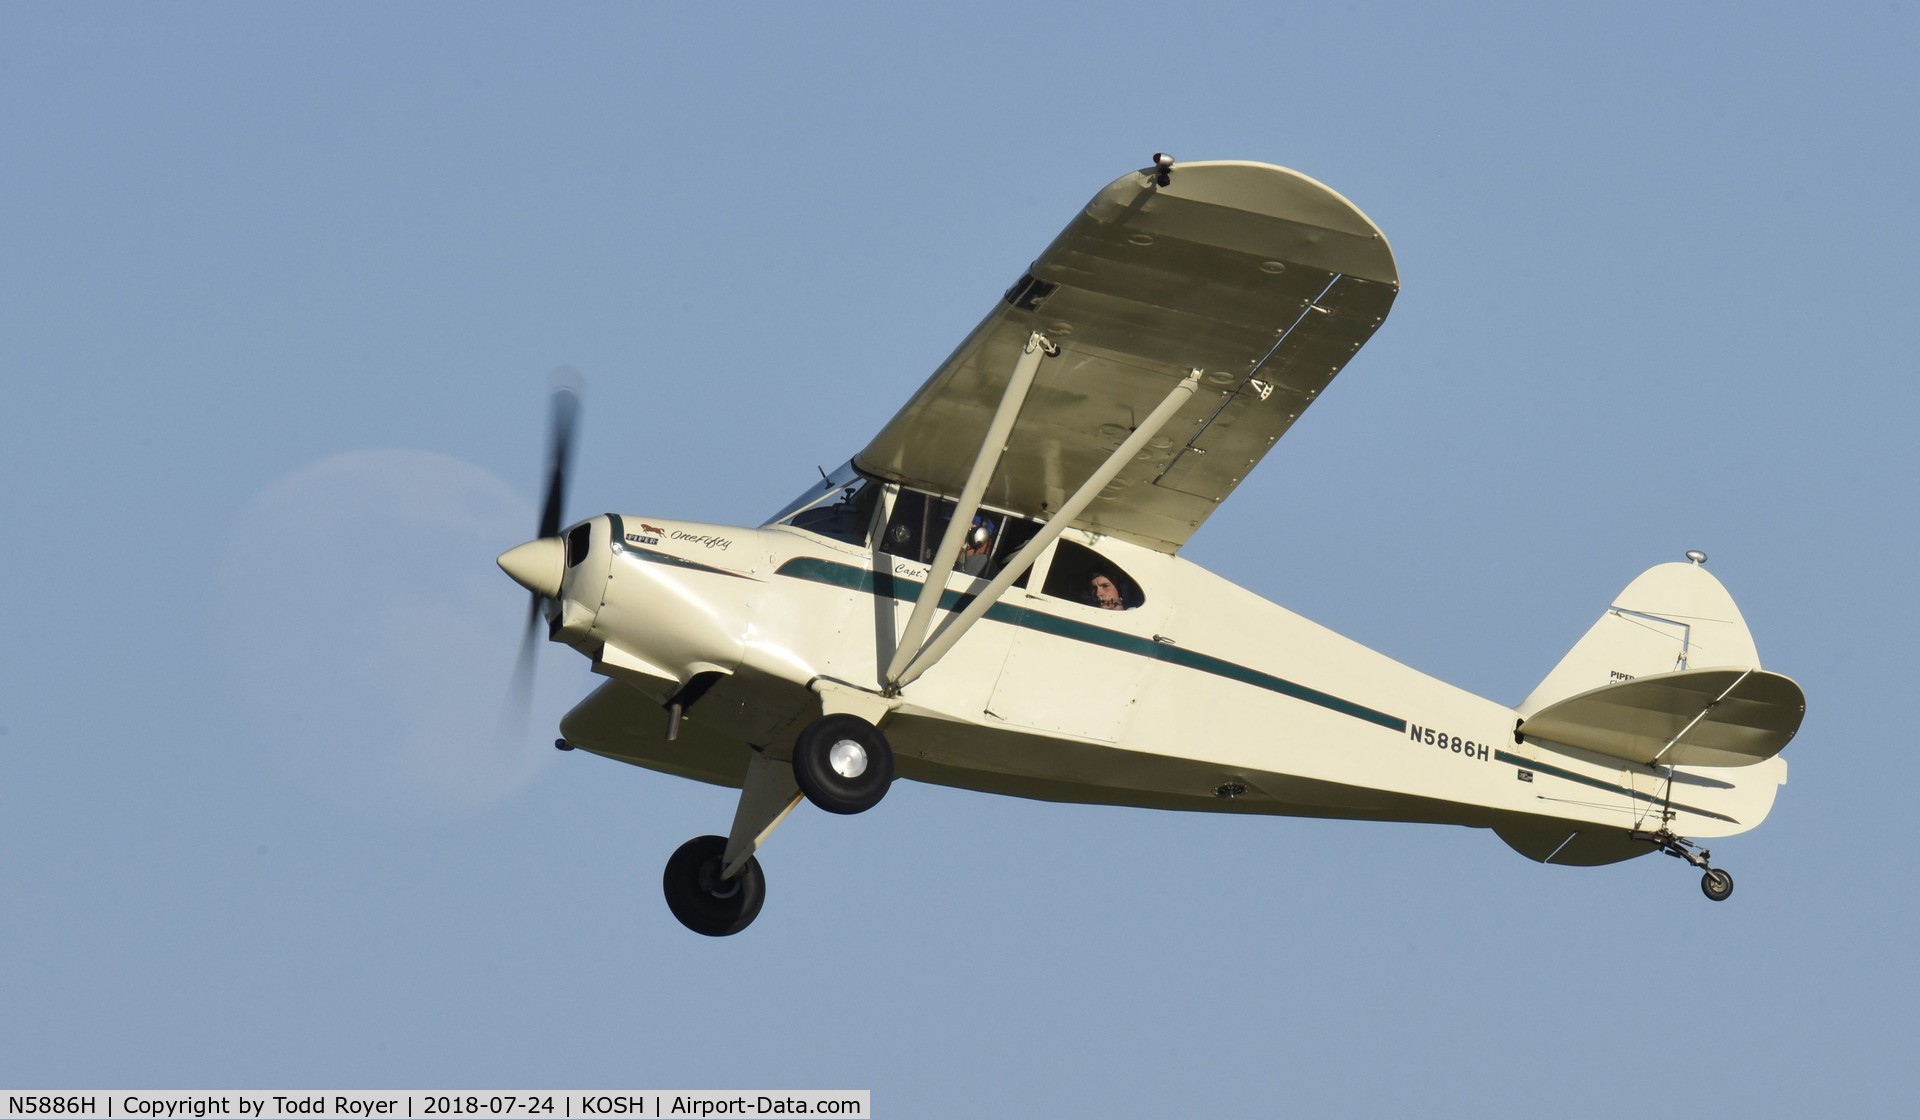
(1081, 575)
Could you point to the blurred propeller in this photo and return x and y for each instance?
(564, 415)
(565, 412)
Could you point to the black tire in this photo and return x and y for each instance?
(702, 901)
(850, 779)
(1716, 884)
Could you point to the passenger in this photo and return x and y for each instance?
(979, 547)
(1105, 595)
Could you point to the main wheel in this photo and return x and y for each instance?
(1717, 884)
(843, 764)
(704, 902)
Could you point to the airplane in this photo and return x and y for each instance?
(990, 595)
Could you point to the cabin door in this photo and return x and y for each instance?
(1073, 667)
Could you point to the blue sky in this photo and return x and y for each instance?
(279, 291)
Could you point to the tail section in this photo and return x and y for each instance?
(1674, 617)
(1691, 744)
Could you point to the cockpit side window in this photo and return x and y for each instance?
(915, 527)
(1007, 543)
(844, 517)
(919, 521)
(1081, 575)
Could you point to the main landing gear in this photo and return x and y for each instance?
(703, 900)
(841, 763)
(1715, 883)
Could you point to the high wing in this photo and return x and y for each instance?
(1264, 279)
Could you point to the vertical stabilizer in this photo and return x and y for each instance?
(1675, 616)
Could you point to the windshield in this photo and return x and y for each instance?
(819, 492)
(840, 507)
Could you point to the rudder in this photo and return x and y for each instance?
(1674, 616)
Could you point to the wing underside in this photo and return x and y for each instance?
(1262, 278)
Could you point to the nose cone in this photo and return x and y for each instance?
(537, 565)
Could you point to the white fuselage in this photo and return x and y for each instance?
(1204, 697)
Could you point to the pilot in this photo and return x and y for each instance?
(1106, 596)
(979, 546)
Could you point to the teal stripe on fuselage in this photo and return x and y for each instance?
(817, 570)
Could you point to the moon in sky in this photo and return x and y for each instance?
(372, 637)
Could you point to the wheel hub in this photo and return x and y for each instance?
(848, 758)
(713, 884)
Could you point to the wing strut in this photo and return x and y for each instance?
(991, 448)
(1050, 532)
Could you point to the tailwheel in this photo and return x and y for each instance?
(703, 901)
(1715, 883)
(843, 764)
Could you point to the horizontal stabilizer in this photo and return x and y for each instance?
(1563, 844)
(1696, 717)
